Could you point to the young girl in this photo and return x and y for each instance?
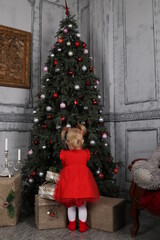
(76, 185)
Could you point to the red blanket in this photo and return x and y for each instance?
(151, 201)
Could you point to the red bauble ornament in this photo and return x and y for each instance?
(94, 102)
(35, 141)
(39, 96)
(110, 159)
(51, 141)
(33, 173)
(84, 45)
(55, 62)
(70, 72)
(115, 170)
(79, 59)
(60, 40)
(55, 95)
(44, 126)
(91, 69)
(95, 153)
(77, 44)
(63, 118)
(49, 117)
(101, 175)
(87, 82)
(76, 102)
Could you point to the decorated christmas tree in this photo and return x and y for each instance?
(69, 95)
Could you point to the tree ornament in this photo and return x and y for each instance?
(79, 59)
(55, 62)
(91, 69)
(77, 87)
(68, 125)
(100, 111)
(85, 107)
(85, 51)
(84, 68)
(33, 173)
(62, 105)
(87, 82)
(34, 111)
(48, 108)
(106, 144)
(30, 180)
(95, 153)
(68, 43)
(35, 141)
(52, 47)
(70, 53)
(95, 87)
(59, 49)
(60, 40)
(76, 102)
(65, 30)
(76, 44)
(63, 118)
(70, 72)
(104, 136)
(45, 69)
(51, 141)
(92, 142)
(97, 82)
(101, 175)
(35, 120)
(52, 54)
(115, 170)
(99, 97)
(43, 147)
(94, 102)
(55, 95)
(110, 159)
(58, 127)
(49, 117)
(70, 25)
(98, 171)
(44, 126)
(30, 152)
(41, 174)
(78, 34)
(101, 119)
(57, 70)
(84, 45)
(47, 80)
(43, 96)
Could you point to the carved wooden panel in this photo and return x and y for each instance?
(14, 57)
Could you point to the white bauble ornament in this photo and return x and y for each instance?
(47, 80)
(48, 212)
(78, 34)
(30, 180)
(100, 111)
(68, 43)
(43, 147)
(95, 87)
(59, 49)
(48, 108)
(34, 111)
(84, 68)
(57, 70)
(92, 142)
(98, 171)
(41, 174)
(76, 87)
(99, 96)
(101, 119)
(43, 96)
(52, 54)
(68, 125)
(62, 105)
(70, 53)
(106, 144)
(35, 120)
(70, 25)
(85, 107)
(58, 127)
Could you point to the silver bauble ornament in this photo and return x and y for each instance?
(47, 80)
(76, 87)
(34, 111)
(95, 87)
(70, 53)
(48, 212)
(99, 96)
(41, 174)
(84, 68)
(59, 49)
(98, 171)
(52, 54)
(101, 119)
(85, 107)
(35, 120)
(70, 25)
(43, 96)
(68, 43)
(57, 70)
(92, 142)
(43, 147)
(100, 111)
(30, 180)
(48, 108)
(58, 127)
(106, 144)
(68, 125)
(78, 34)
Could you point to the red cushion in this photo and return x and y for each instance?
(151, 201)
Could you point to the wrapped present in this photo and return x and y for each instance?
(46, 190)
(108, 214)
(10, 200)
(52, 176)
(49, 214)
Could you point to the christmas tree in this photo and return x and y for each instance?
(69, 95)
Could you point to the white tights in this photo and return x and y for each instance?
(82, 213)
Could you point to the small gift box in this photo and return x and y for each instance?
(46, 190)
(52, 176)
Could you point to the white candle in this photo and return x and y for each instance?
(6, 144)
(19, 154)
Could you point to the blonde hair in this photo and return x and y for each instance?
(74, 136)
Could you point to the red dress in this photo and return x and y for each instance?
(76, 183)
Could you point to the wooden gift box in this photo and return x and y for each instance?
(49, 214)
(108, 214)
(6, 184)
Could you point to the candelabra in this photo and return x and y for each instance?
(6, 172)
